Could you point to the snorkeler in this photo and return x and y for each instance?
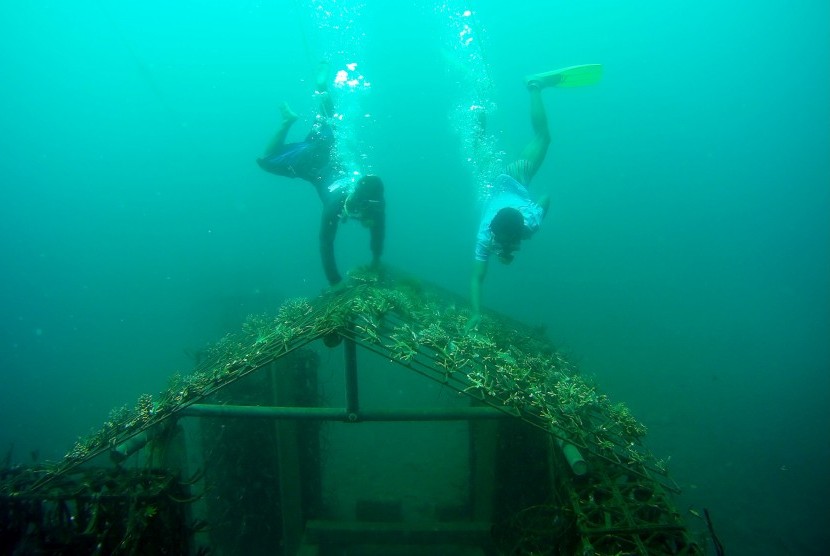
(344, 195)
(509, 215)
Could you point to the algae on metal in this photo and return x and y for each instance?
(504, 364)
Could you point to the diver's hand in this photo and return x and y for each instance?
(379, 269)
(472, 323)
(506, 258)
(336, 287)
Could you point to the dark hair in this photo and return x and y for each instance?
(507, 226)
(368, 188)
(366, 201)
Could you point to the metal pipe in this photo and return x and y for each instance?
(342, 414)
(129, 447)
(574, 458)
(572, 454)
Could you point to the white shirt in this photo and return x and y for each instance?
(507, 193)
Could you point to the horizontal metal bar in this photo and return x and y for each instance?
(352, 533)
(340, 414)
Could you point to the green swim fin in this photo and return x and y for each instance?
(573, 76)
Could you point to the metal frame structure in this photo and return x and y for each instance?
(612, 492)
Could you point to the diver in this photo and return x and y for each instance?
(345, 195)
(509, 214)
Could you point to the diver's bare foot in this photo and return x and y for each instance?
(288, 115)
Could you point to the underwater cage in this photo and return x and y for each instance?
(315, 432)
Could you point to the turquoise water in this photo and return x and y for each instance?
(684, 262)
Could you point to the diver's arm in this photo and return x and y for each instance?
(479, 273)
(544, 202)
(377, 237)
(328, 231)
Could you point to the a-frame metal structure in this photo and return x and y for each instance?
(608, 495)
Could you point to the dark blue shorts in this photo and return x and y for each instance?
(308, 160)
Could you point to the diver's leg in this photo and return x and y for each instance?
(326, 107)
(288, 119)
(535, 151)
(479, 130)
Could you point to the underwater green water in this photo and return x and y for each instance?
(684, 262)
